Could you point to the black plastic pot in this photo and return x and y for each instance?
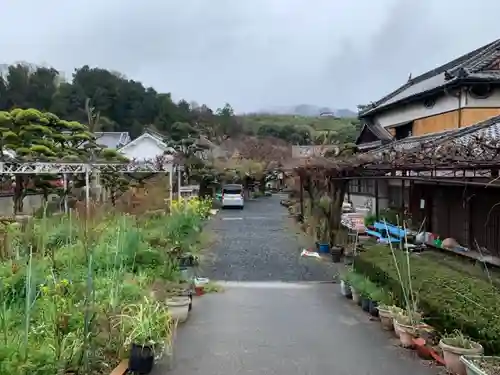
(187, 260)
(141, 360)
(374, 309)
(365, 304)
(348, 294)
(336, 254)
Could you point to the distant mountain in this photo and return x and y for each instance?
(309, 111)
(344, 112)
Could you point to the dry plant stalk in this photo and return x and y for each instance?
(150, 196)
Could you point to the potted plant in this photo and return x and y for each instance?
(180, 289)
(348, 258)
(405, 323)
(178, 307)
(147, 327)
(355, 280)
(395, 310)
(379, 298)
(385, 315)
(456, 345)
(345, 288)
(481, 365)
(366, 287)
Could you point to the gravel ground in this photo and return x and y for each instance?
(257, 244)
(270, 319)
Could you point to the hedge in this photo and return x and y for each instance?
(448, 298)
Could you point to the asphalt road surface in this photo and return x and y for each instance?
(274, 317)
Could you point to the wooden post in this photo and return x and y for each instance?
(402, 200)
(301, 195)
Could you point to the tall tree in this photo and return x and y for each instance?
(41, 136)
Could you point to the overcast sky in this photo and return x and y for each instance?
(254, 54)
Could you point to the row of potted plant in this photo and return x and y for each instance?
(363, 292)
(460, 354)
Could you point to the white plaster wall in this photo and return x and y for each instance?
(444, 104)
(492, 101)
(415, 111)
(145, 149)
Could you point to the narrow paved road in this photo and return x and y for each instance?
(272, 318)
(256, 244)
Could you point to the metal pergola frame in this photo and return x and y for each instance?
(70, 168)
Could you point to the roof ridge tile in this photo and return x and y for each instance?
(468, 62)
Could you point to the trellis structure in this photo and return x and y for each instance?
(14, 168)
(467, 157)
(468, 152)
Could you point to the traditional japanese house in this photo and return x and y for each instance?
(456, 102)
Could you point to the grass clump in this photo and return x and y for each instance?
(75, 292)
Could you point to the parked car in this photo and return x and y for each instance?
(232, 196)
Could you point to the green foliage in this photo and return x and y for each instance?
(42, 136)
(450, 299)
(303, 130)
(127, 105)
(370, 219)
(122, 104)
(72, 293)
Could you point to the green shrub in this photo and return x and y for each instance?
(257, 194)
(370, 219)
(449, 299)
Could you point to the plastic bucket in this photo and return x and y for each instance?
(324, 248)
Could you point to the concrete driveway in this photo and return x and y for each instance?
(275, 317)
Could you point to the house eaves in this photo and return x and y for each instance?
(488, 130)
(113, 140)
(162, 145)
(376, 129)
(469, 68)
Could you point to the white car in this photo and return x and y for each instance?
(232, 196)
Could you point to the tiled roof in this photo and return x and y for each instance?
(112, 139)
(155, 134)
(376, 129)
(412, 142)
(473, 65)
(488, 131)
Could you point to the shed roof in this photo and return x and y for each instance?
(112, 139)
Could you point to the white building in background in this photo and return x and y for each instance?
(148, 146)
(112, 139)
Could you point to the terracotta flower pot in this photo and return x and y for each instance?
(199, 290)
(406, 334)
(385, 319)
(452, 354)
(396, 328)
(422, 350)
